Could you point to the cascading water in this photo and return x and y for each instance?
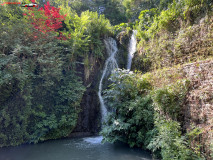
(131, 49)
(110, 65)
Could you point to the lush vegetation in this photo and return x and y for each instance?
(40, 89)
(177, 35)
(47, 55)
(146, 116)
(148, 109)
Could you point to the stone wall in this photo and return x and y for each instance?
(198, 109)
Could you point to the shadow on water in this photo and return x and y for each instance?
(89, 148)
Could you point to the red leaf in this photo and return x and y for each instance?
(50, 22)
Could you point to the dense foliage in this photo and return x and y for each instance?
(40, 89)
(147, 117)
(39, 95)
(47, 19)
(177, 35)
(132, 119)
(47, 55)
(151, 115)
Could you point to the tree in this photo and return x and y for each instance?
(46, 19)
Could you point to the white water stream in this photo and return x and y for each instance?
(132, 49)
(110, 65)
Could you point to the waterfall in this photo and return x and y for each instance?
(110, 65)
(131, 49)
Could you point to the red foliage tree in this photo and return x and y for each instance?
(47, 19)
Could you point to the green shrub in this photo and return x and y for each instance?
(132, 118)
(131, 123)
(87, 32)
(169, 100)
(148, 117)
(170, 141)
(41, 95)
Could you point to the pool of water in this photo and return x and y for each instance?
(89, 148)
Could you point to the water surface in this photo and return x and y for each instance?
(89, 148)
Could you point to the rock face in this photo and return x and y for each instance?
(123, 39)
(199, 103)
(89, 116)
(89, 121)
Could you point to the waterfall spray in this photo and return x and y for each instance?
(131, 49)
(110, 65)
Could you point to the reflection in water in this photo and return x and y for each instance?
(74, 149)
